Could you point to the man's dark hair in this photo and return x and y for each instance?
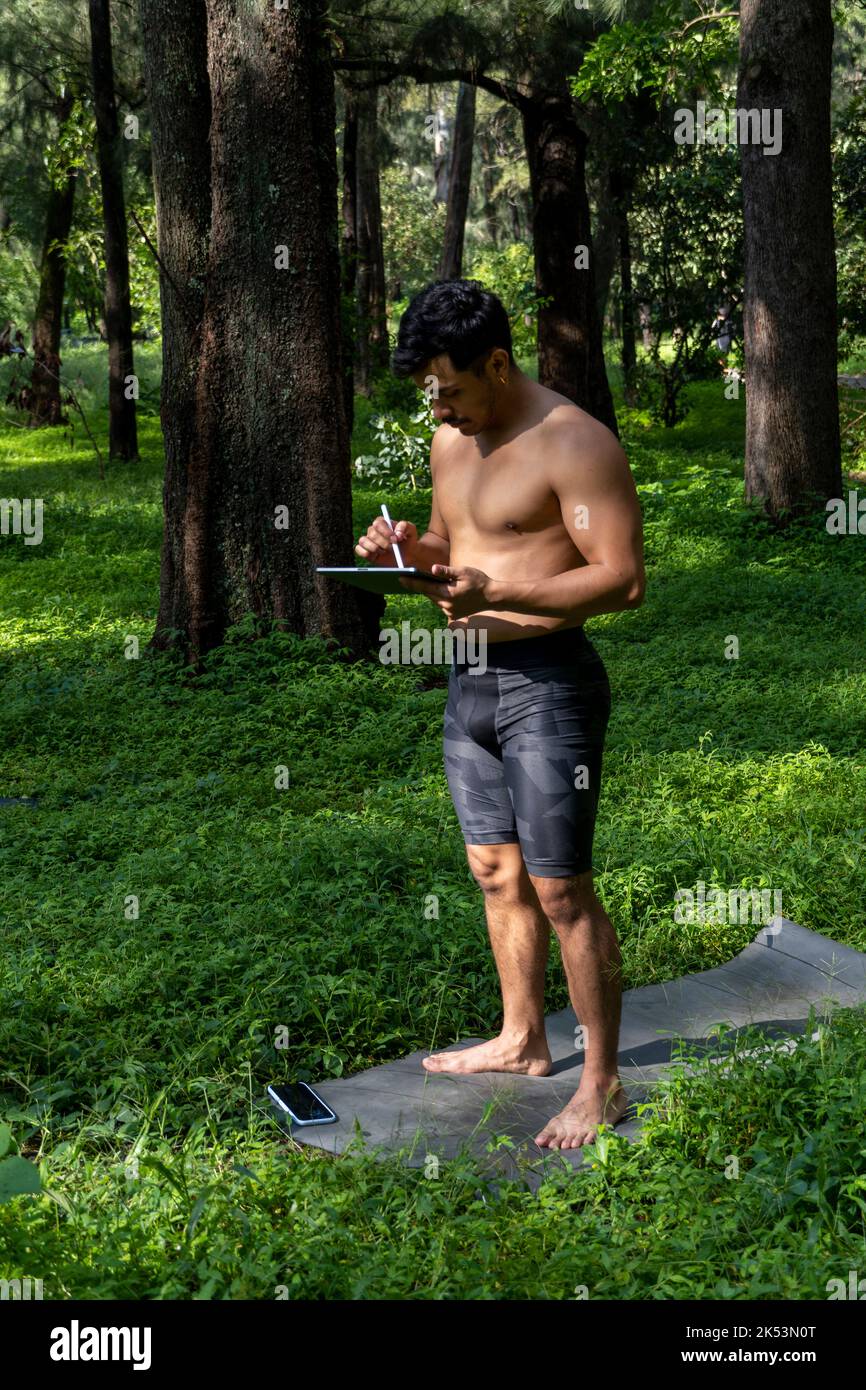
(457, 317)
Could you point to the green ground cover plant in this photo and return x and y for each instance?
(135, 1051)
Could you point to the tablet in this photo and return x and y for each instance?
(380, 581)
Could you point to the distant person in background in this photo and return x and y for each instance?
(722, 330)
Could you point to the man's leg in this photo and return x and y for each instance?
(519, 936)
(593, 968)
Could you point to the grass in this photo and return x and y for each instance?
(136, 1048)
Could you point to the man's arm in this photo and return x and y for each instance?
(601, 512)
(590, 476)
(433, 548)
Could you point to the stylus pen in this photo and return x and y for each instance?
(394, 546)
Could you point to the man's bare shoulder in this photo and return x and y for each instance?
(444, 445)
(572, 437)
(441, 435)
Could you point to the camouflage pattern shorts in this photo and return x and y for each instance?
(523, 743)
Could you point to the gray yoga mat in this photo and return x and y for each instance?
(770, 985)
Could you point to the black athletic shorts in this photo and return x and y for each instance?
(523, 748)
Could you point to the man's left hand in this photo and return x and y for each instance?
(465, 593)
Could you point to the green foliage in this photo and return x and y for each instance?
(17, 1176)
(248, 1217)
(403, 460)
(19, 282)
(630, 58)
(413, 230)
(85, 250)
(686, 224)
(510, 273)
(74, 148)
(658, 57)
(143, 269)
(849, 177)
(68, 151)
(85, 371)
(136, 1052)
(852, 417)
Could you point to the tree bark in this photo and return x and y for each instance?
(459, 183)
(441, 158)
(570, 353)
(629, 344)
(371, 349)
(44, 395)
(789, 320)
(174, 38)
(122, 434)
(488, 183)
(349, 210)
(605, 240)
(260, 486)
(349, 215)
(645, 317)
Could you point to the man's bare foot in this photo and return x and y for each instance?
(578, 1123)
(527, 1056)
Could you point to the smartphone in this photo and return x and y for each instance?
(299, 1103)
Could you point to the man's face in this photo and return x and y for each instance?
(465, 400)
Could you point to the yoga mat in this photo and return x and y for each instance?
(770, 985)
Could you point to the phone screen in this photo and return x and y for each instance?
(302, 1101)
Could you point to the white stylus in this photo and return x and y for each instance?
(394, 546)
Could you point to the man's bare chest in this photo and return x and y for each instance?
(495, 498)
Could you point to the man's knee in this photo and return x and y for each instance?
(567, 901)
(497, 869)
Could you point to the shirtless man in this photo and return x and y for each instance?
(535, 522)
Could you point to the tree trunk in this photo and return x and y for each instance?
(349, 214)
(258, 488)
(605, 239)
(441, 158)
(371, 350)
(488, 183)
(174, 39)
(514, 218)
(122, 435)
(349, 191)
(459, 182)
(629, 346)
(570, 354)
(44, 395)
(789, 320)
(646, 326)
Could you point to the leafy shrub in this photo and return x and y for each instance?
(510, 273)
(19, 280)
(413, 229)
(404, 458)
(658, 382)
(849, 179)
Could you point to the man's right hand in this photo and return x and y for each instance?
(375, 546)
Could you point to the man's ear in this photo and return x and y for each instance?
(498, 362)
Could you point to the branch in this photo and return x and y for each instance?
(707, 19)
(156, 256)
(387, 71)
